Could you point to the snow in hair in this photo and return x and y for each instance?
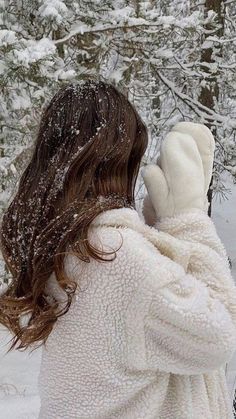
(78, 169)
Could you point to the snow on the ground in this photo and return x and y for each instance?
(18, 381)
(19, 369)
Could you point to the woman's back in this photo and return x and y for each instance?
(85, 356)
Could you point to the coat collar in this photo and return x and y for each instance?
(119, 217)
(167, 244)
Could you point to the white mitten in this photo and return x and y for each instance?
(148, 211)
(178, 185)
(206, 147)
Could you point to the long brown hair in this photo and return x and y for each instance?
(89, 146)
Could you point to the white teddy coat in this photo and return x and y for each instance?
(147, 335)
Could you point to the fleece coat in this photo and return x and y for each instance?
(147, 335)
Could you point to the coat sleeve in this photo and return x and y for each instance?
(182, 318)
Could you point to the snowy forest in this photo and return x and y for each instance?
(174, 60)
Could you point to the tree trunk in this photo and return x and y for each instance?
(209, 94)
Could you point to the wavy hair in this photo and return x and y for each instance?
(89, 146)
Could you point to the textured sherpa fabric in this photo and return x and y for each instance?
(147, 335)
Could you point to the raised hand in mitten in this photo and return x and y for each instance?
(206, 146)
(178, 185)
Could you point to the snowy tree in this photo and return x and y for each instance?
(28, 67)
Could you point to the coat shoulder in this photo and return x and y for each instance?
(130, 242)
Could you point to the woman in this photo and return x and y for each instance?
(137, 320)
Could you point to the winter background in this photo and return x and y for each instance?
(174, 60)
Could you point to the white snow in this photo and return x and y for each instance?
(53, 10)
(224, 217)
(19, 370)
(34, 51)
(7, 37)
(18, 381)
(62, 74)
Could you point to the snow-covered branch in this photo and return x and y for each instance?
(202, 111)
(130, 24)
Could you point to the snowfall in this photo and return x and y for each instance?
(19, 369)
